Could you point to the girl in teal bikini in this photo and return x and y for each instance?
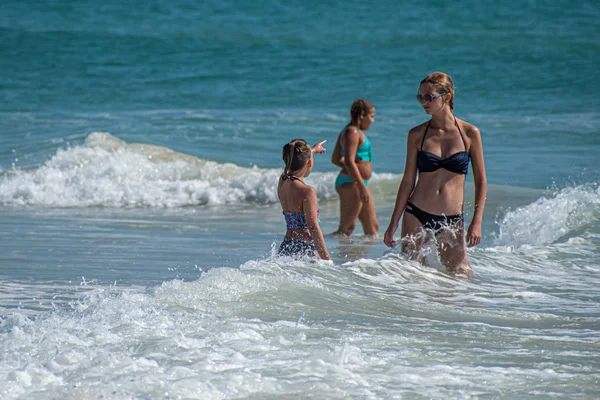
(354, 155)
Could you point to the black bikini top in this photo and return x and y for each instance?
(457, 162)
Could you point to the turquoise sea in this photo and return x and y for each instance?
(140, 145)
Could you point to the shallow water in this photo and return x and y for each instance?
(139, 154)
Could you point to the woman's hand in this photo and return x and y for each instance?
(474, 234)
(365, 195)
(388, 238)
(318, 148)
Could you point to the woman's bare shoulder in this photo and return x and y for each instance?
(350, 131)
(419, 128)
(416, 132)
(469, 129)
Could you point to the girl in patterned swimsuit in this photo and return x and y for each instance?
(299, 202)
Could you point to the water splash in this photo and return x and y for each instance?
(552, 217)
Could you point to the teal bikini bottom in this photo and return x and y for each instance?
(341, 179)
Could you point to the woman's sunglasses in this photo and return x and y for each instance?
(428, 98)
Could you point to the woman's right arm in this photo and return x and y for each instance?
(336, 157)
(407, 186)
(311, 212)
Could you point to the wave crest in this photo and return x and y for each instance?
(109, 172)
(551, 217)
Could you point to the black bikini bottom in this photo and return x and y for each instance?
(431, 221)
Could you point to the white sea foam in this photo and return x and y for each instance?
(281, 327)
(551, 217)
(108, 172)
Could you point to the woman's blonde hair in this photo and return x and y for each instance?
(442, 83)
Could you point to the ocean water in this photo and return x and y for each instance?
(140, 145)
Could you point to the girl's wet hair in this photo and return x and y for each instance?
(295, 155)
(442, 83)
(360, 107)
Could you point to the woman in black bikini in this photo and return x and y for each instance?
(439, 150)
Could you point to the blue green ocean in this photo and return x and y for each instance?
(140, 146)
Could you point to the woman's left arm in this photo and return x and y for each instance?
(479, 176)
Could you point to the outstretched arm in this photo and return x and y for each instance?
(318, 148)
(407, 185)
(480, 179)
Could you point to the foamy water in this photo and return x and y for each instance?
(142, 275)
(551, 217)
(139, 154)
(525, 324)
(108, 172)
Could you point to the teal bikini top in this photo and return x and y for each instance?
(364, 152)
